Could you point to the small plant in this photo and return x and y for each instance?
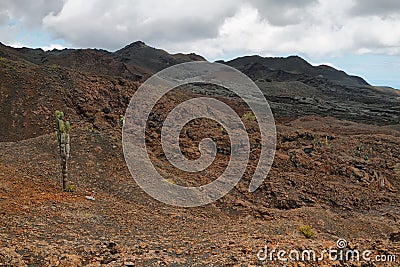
(54, 67)
(317, 142)
(5, 63)
(116, 138)
(69, 188)
(326, 141)
(307, 231)
(63, 127)
(249, 116)
(358, 150)
(222, 130)
(122, 120)
(363, 152)
(327, 144)
(170, 181)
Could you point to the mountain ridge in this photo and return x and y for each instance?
(292, 86)
(146, 60)
(297, 65)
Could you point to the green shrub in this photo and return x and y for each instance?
(249, 116)
(54, 67)
(307, 231)
(316, 142)
(6, 63)
(363, 152)
(122, 120)
(70, 188)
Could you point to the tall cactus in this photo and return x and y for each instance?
(63, 128)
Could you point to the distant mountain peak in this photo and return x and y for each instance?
(137, 44)
(293, 65)
(151, 59)
(297, 58)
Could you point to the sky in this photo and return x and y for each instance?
(361, 37)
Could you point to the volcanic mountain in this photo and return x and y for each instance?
(292, 86)
(336, 166)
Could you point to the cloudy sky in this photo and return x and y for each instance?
(359, 36)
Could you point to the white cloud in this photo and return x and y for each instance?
(111, 25)
(29, 13)
(53, 46)
(329, 30)
(381, 8)
(216, 28)
(17, 45)
(8, 34)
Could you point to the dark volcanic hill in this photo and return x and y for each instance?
(294, 67)
(136, 61)
(151, 59)
(296, 88)
(292, 86)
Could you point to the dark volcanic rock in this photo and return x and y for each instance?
(394, 237)
(295, 65)
(151, 59)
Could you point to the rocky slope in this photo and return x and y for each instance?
(296, 88)
(270, 67)
(292, 86)
(341, 177)
(135, 61)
